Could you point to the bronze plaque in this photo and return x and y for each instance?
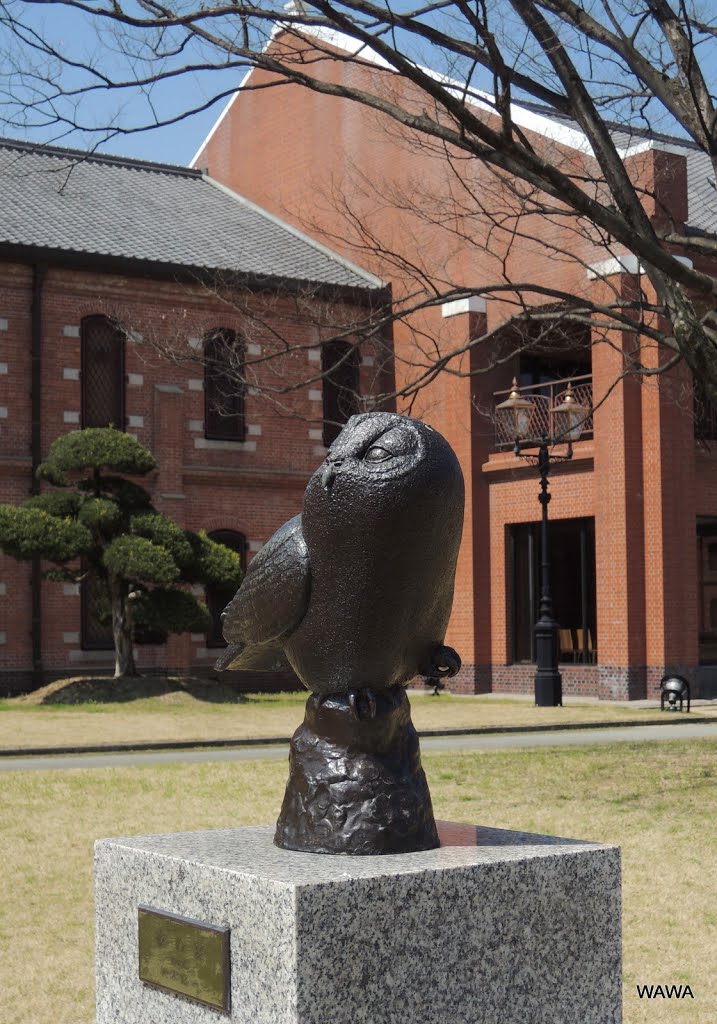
(189, 958)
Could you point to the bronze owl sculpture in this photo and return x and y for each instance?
(355, 594)
(356, 591)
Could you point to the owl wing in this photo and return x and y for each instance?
(270, 603)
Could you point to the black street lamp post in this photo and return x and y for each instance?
(567, 419)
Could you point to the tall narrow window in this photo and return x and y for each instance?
(340, 369)
(96, 614)
(103, 388)
(218, 599)
(224, 386)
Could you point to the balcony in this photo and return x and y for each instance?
(545, 397)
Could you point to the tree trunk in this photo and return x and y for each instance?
(122, 628)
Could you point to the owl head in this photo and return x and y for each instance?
(380, 461)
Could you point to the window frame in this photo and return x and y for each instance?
(334, 418)
(214, 428)
(86, 326)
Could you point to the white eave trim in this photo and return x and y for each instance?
(541, 124)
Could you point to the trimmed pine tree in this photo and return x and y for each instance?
(140, 559)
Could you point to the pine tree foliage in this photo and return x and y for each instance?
(96, 523)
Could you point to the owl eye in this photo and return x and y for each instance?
(377, 454)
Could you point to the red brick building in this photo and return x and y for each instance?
(116, 276)
(634, 513)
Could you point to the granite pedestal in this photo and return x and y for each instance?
(494, 927)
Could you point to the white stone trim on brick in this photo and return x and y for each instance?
(314, 355)
(367, 361)
(168, 389)
(628, 263)
(473, 304)
(315, 395)
(255, 545)
(71, 331)
(135, 380)
(194, 384)
(231, 446)
(252, 391)
(3, 369)
(70, 638)
(195, 343)
(315, 434)
(197, 638)
(71, 589)
(3, 412)
(3, 638)
(195, 426)
(91, 656)
(69, 416)
(70, 373)
(253, 430)
(3, 324)
(3, 589)
(135, 421)
(253, 349)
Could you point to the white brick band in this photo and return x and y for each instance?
(71, 417)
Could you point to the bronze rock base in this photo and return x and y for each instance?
(356, 784)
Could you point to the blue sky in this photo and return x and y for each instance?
(74, 34)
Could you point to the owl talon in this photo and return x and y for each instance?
(360, 710)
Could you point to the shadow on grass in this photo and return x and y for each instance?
(105, 690)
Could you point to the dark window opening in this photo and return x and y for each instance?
(95, 614)
(224, 386)
(707, 590)
(218, 598)
(340, 371)
(102, 356)
(572, 579)
(705, 414)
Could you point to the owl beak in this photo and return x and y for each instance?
(328, 476)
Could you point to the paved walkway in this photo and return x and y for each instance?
(500, 741)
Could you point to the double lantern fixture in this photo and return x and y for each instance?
(515, 418)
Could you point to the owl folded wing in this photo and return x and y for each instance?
(270, 603)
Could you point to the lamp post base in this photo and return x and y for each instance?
(548, 689)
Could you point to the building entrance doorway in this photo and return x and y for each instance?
(572, 578)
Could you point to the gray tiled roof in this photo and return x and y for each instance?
(105, 206)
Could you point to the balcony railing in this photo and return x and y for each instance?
(544, 398)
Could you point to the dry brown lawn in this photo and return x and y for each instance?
(658, 801)
(181, 716)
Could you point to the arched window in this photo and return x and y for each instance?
(224, 385)
(340, 369)
(102, 376)
(218, 599)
